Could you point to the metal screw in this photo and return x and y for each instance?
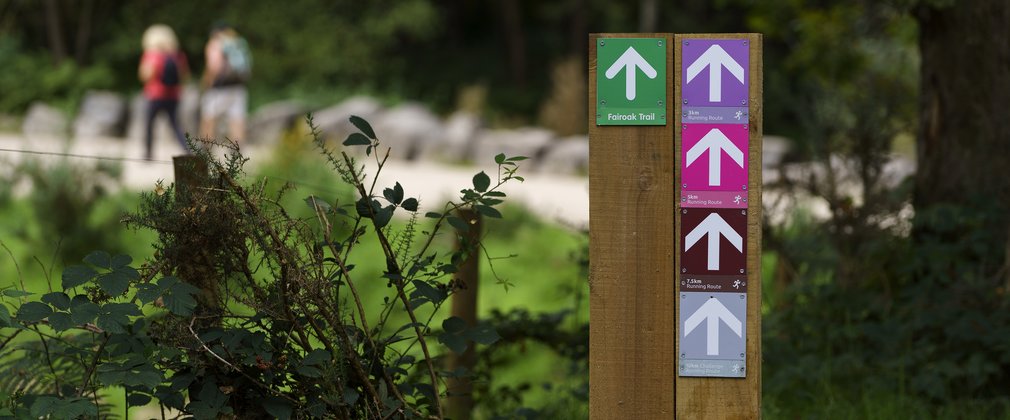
(684, 126)
(683, 296)
(745, 42)
(683, 199)
(660, 103)
(686, 43)
(743, 211)
(685, 211)
(683, 270)
(745, 126)
(741, 355)
(683, 355)
(745, 200)
(745, 187)
(743, 102)
(601, 43)
(662, 117)
(685, 185)
(598, 115)
(660, 43)
(603, 102)
(742, 297)
(741, 271)
(685, 114)
(685, 102)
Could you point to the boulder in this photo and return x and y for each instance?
(568, 156)
(270, 121)
(408, 129)
(43, 119)
(456, 142)
(529, 141)
(102, 114)
(334, 123)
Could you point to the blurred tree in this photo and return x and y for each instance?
(964, 138)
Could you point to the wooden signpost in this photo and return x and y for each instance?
(675, 226)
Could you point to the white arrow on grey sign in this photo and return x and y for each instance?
(713, 226)
(715, 142)
(629, 61)
(715, 58)
(711, 312)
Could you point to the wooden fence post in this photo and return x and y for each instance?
(631, 240)
(459, 404)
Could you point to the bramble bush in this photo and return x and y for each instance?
(247, 312)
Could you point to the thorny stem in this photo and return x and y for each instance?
(94, 364)
(393, 268)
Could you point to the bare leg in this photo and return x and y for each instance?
(236, 130)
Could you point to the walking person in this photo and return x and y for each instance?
(163, 70)
(229, 66)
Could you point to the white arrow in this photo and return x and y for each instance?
(715, 58)
(714, 142)
(629, 60)
(712, 311)
(713, 226)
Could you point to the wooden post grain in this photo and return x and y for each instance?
(631, 271)
(722, 398)
(459, 403)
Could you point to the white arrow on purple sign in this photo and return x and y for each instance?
(701, 88)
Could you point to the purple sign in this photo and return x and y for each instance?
(715, 72)
(714, 157)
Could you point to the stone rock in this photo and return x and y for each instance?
(456, 142)
(333, 122)
(43, 119)
(528, 141)
(270, 121)
(568, 156)
(408, 129)
(773, 149)
(102, 114)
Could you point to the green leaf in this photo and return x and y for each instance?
(494, 194)
(481, 182)
(77, 275)
(454, 325)
(363, 126)
(395, 194)
(112, 323)
(309, 371)
(84, 313)
(316, 357)
(516, 159)
(350, 396)
(34, 312)
(115, 283)
(433, 215)
(122, 309)
(121, 260)
(148, 293)
(180, 299)
(434, 295)
(488, 211)
(5, 316)
(137, 400)
(58, 300)
(314, 202)
(14, 293)
(100, 259)
(459, 224)
(499, 158)
(60, 321)
(277, 407)
(357, 139)
(383, 216)
(453, 341)
(409, 204)
(483, 334)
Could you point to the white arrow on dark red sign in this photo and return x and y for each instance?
(630, 60)
(711, 312)
(715, 142)
(715, 58)
(713, 226)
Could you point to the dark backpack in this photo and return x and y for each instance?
(170, 72)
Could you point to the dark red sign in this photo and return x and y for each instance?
(713, 241)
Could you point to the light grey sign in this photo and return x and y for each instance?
(713, 334)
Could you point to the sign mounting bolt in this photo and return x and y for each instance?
(660, 43)
(601, 43)
(660, 103)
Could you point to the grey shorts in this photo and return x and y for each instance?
(225, 100)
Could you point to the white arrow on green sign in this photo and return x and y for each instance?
(631, 81)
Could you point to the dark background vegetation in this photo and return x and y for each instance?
(893, 306)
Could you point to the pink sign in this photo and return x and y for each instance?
(714, 157)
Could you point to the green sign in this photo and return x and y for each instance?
(631, 81)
